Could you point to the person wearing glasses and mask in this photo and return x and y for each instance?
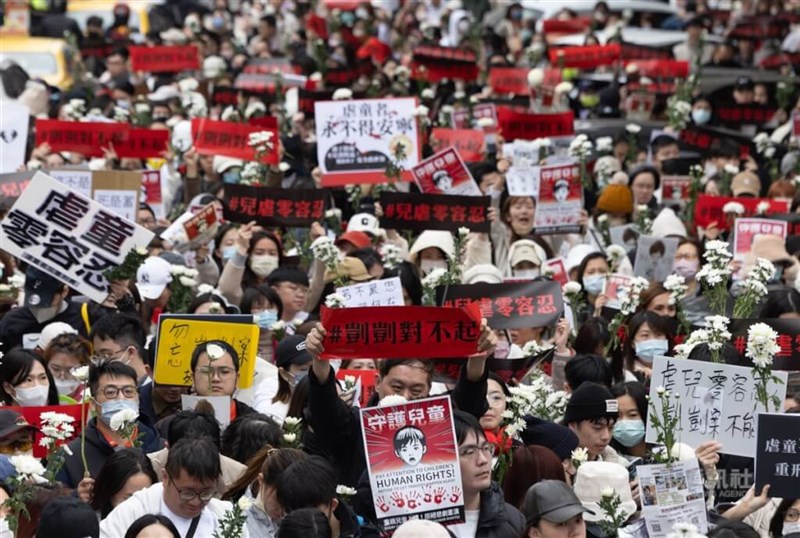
(114, 390)
(215, 372)
(185, 494)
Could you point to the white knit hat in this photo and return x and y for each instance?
(415, 528)
(432, 238)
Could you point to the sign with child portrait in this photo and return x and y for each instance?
(412, 459)
(445, 173)
(560, 199)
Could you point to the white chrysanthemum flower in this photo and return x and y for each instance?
(392, 400)
(762, 344)
(485, 123)
(580, 455)
(291, 421)
(615, 252)
(421, 111)
(633, 128)
(123, 418)
(733, 207)
(215, 351)
(607, 493)
(27, 467)
(571, 288)
(345, 491)
(731, 169)
(81, 373)
(762, 207)
(342, 94)
(535, 77)
(428, 93)
(604, 144)
(290, 437)
(335, 300)
(244, 503)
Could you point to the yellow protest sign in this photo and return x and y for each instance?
(178, 336)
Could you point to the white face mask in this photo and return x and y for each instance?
(427, 266)
(33, 397)
(65, 388)
(791, 528)
(46, 313)
(526, 274)
(263, 265)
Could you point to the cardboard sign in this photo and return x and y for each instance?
(777, 457)
(788, 358)
(69, 236)
(717, 401)
(514, 125)
(445, 173)
(274, 207)
(366, 380)
(469, 143)
(384, 292)
(616, 289)
(118, 191)
(587, 57)
(557, 270)
(33, 415)
(231, 140)
(13, 136)
(412, 461)
(509, 80)
(654, 256)
(709, 209)
(164, 58)
(86, 138)
(221, 405)
(461, 121)
(672, 494)
(180, 334)
(508, 306)
(12, 185)
(420, 212)
(675, 189)
(79, 181)
(560, 202)
(746, 229)
(395, 332)
(356, 140)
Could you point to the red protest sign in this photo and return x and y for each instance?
(577, 25)
(33, 416)
(675, 189)
(200, 222)
(631, 51)
(526, 126)
(86, 138)
(143, 144)
(661, 68)
(461, 119)
(751, 114)
(587, 57)
(368, 379)
(744, 230)
(231, 139)
(164, 58)
(434, 63)
(468, 142)
(509, 80)
(709, 209)
(400, 332)
(445, 173)
(796, 124)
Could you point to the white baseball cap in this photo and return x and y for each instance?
(363, 222)
(152, 277)
(52, 330)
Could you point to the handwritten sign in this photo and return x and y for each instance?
(178, 335)
(717, 401)
(777, 455)
(13, 136)
(385, 292)
(420, 212)
(394, 332)
(164, 58)
(445, 173)
(356, 140)
(274, 207)
(506, 305)
(68, 236)
(412, 462)
(79, 181)
(231, 140)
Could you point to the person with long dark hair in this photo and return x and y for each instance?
(25, 380)
(124, 473)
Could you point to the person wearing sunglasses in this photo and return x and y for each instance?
(185, 494)
(215, 372)
(16, 435)
(115, 395)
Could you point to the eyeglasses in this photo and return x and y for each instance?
(101, 356)
(16, 446)
(223, 372)
(791, 516)
(128, 391)
(686, 256)
(188, 495)
(60, 372)
(471, 451)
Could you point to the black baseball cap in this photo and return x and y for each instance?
(40, 288)
(744, 83)
(292, 350)
(12, 422)
(552, 501)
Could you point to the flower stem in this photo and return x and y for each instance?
(86, 473)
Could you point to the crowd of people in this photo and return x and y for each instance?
(287, 458)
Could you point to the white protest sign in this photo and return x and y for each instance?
(560, 199)
(387, 292)
(356, 140)
(123, 203)
(13, 136)
(716, 401)
(523, 180)
(69, 236)
(672, 494)
(412, 460)
(221, 405)
(79, 181)
(745, 230)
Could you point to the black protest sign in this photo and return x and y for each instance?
(788, 358)
(447, 370)
(508, 305)
(419, 212)
(792, 218)
(778, 454)
(274, 207)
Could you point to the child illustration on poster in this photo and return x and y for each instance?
(413, 462)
